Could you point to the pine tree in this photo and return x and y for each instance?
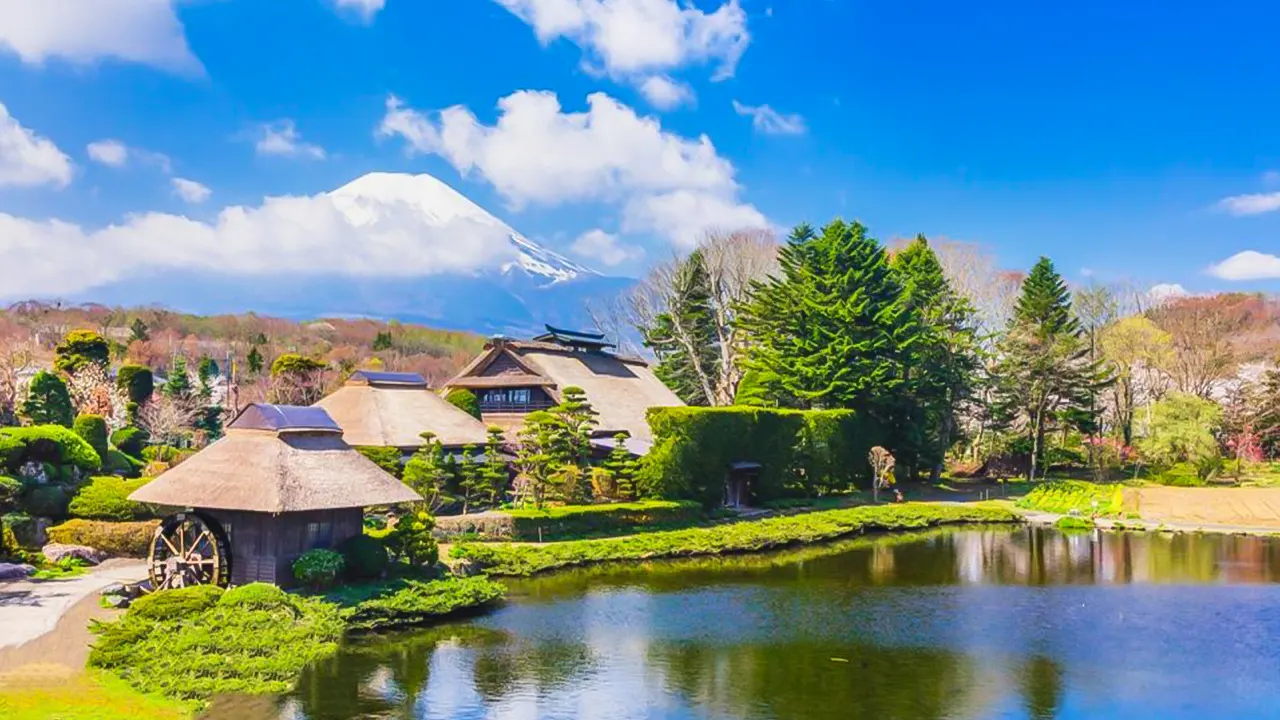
(572, 423)
(254, 361)
(494, 470)
(138, 331)
(472, 481)
(944, 364)
(688, 323)
(382, 341)
(80, 348)
(427, 472)
(1265, 418)
(178, 385)
(48, 401)
(832, 329)
(621, 465)
(1044, 375)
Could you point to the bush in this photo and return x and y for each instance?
(318, 568)
(48, 401)
(131, 440)
(179, 603)
(407, 602)
(1065, 496)
(167, 454)
(93, 428)
(138, 384)
(120, 464)
(572, 520)
(1074, 523)
(127, 539)
(253, 595)
(46, 500)
(1180, 475)
(387, 458)
(800, 453)
(79, 349)
(10, 489)
(365, 557)
(10, 548)
(11, 451)
(107, 498)
(464, 400)
(52, 444)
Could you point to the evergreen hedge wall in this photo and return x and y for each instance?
(802, 453)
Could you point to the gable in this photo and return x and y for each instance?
(504, 365)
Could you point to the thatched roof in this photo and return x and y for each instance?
(619, 388)
(393, 410)
(277, 459)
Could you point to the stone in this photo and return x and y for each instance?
(57, 552)
(116, 601)
(15, 571)
(117, 589)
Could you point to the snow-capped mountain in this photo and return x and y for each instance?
(366, 198)
(526, 286)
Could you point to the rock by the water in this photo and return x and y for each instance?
(116, 601)
(15, 571)
(56, 553)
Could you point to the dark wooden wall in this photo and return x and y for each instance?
(264, 546)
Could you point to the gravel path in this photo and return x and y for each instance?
(31, 608)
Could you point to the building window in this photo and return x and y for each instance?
(513, 400)
(319, 535)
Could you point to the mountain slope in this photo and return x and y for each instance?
(532, 286)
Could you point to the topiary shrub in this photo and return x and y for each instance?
(10, 549)
(120, 464)
(365, 557)
(131, 440)
(48, 401)
(123, 539)
(46, 500)
(107, 498)
(51, 444)
(167, 454)
(319, 568)
(11, 451)
(79, 349)
(177, 603)
(386, 458)
(137, 382)
(464, 400)
(24, 527)
(10, 490)
(93, 428)
(253, 596)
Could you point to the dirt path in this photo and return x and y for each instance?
(1256, 508)
(52, 614)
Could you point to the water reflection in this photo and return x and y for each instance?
(1000, 622)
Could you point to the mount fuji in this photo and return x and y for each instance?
(521, 288)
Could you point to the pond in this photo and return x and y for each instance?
(969, 623)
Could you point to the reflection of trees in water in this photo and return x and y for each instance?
(1041, 682)
(802, 680)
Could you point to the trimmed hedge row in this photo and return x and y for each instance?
(127, 539)
(801, 453)
(107, 498)
(569, 520)
(1065, 496)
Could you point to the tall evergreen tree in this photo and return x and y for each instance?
(178, 385)
(684, 338)
(944, 364)
(48, 401)
(1045, 375)
(833, 329)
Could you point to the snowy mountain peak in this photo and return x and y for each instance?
(363, 199)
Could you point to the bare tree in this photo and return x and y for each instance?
(93, 393)
(1201, 329)
(15, 357)
(168, 419)
(974, 273)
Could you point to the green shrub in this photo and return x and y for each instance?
(800, 453)
(10, 548)
(11, 452)
(1074, 523)
(179, 603)
(166, 454)
(23, 526)
(365, 556)
(130, 440)
(318, 568)
(253, 595)
(107, 498)
(577, 520)
(81, 348)
(123, 465)
(408, 602)
(46, 501)
(52, 444)
(386, 458)
(137, 382)
(48, 401)
(127, 539)
(93, 428)
(1180, 475)
(740, 537)
(10, 489)
(1065, 496)
(464, 400)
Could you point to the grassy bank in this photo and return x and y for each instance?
(87, 696)
(742, 537)
(1066, 496)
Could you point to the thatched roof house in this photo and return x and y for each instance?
(381, 409)
(512, 378)
(280, 482)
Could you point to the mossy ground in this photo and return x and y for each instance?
(62, 695)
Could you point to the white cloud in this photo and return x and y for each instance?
(114, 153)
(769, 121)
(1166, 291)
(632, 40)
(302, 235)
(83, 31)
(366, 9)
(666, 94)
(605, 247)
(1251, 204)
(26, 159)
(190, 190)
(537, 154)
(1247, 265)
(282, 138)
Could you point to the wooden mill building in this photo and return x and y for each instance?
(280, 482)
(383, 409)
(512, 378)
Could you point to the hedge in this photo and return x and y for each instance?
(464, 400)
(801, 453)
(1065, 496)
(93, 428)
(137, 382)
(48, 500)
(130, 440)
(570, 520)
(128, 539)
(387, 458)
(107, 498)
(52, 444)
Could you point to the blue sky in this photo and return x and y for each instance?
(1125, 140)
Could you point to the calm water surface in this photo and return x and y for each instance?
(975, 623)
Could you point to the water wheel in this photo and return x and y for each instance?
(189, 548)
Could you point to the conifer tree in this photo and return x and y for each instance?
(48, 401)
(427, 472)
(494, 470)
(178, 384)
(80, 348)
(1044, 375)
(472, 480)
(139, 332)
(684, 338)
(254, 360)
(621, 465)
(833, 329)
